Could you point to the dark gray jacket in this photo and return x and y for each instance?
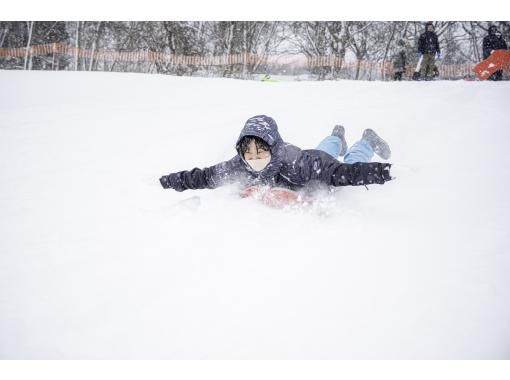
(492, 42)
(428, 43)
(289, 167)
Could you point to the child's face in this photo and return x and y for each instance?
(253, 154)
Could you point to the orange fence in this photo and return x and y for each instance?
(133, 56)
(459, 70)
(447, 71)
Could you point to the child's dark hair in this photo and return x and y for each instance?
(259, 143)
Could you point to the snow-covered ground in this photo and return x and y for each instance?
(98, 261)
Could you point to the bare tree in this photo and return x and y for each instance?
(358, 41)
(95, 43)
(253, 41)
(314, 40)
(3, 34)
(30, 28)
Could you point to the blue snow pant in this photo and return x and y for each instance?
(361, 151)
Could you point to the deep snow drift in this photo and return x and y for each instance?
(98, 261)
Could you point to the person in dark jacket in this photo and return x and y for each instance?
(491, 42)
(399, 61)
(263, 158)
(428, 47)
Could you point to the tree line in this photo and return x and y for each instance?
(356, 41)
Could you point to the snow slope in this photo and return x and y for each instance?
(98, 261)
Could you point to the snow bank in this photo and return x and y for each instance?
(98, 261)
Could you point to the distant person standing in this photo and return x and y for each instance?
(428, 47)
(399, 61)
(491, 42)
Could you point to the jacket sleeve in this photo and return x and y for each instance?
(206, 178)
(503, 44)
(487, 47)
(321, 166)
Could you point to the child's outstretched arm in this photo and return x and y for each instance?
(321, 166)
(206, 178)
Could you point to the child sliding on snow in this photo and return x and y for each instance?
(263, 158)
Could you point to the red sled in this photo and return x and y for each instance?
(274, 197)
(498, 60)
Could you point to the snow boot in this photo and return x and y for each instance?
(379, 146)
(339, 131)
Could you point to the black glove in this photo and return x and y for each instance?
(386, 172)
(171, 182)
(164, 182)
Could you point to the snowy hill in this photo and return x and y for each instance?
(98, 261)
